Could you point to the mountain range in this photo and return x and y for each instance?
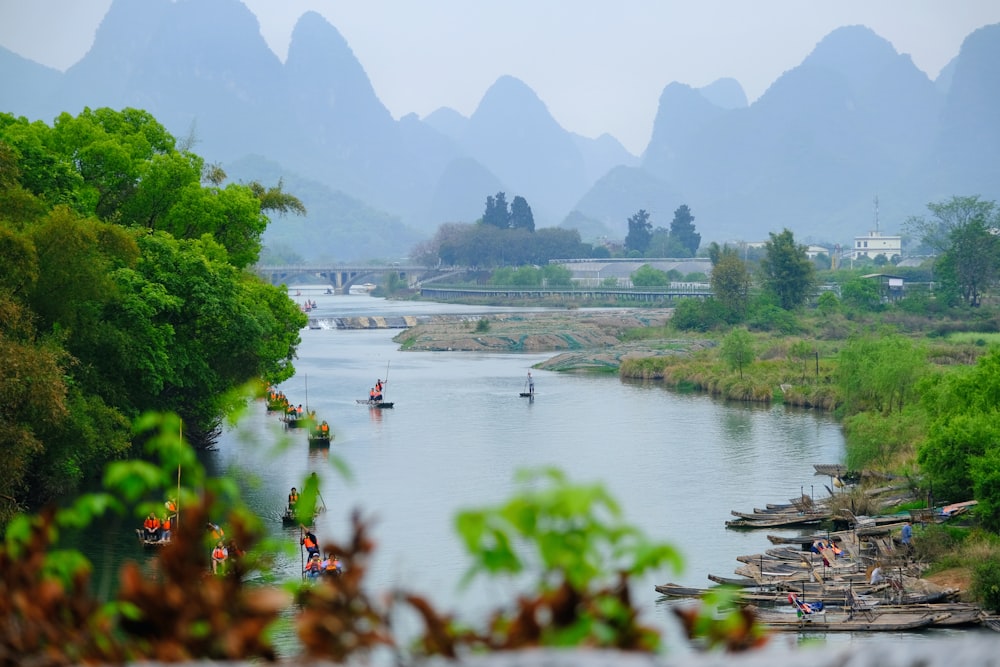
(853, 121)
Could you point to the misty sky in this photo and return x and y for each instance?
(598, 65)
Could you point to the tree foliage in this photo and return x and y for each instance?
(737, 350)
(520, 214)
(731, 283)
(963, 232)
(485, 246)
(788, 275)
(123, 284)
(682, 230)
(963, 436)
(497, 214)
(647, 276)
(879, 373)
(640, 232)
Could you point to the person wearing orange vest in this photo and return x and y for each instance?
(152, 526)
(219, 556)
(293, 497)
(310, 542)
(165, 534)
(324, 428)
(313, 567)
(333, 565)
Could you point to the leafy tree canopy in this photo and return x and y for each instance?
(640, 232)
(123, 289)
(788, 275)
(682, 229)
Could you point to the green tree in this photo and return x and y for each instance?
(964, 431)
(788, 275)
(497, 214)
(879, 373)
(971, 261)
(827, 303)
(803, 352)
(682, 229)
(647, 276)
(556, 275)
(731, 282)
(520, 214)
(639, 232)
(947, 217)
(861, 293)
(737, 350)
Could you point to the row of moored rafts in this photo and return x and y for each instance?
(855, 573)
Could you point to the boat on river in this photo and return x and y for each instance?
(147, 542)
(319, 434)
(288, 518)
(375, 404)
(828, 620)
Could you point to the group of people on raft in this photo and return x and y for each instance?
(375, 393)
(156, 529)
(317, 565)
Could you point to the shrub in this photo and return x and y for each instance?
(985, 585)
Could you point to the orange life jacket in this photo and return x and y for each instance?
(324, 427)
(152, 523)
(166, 524)
(218, 553)
(307, 542)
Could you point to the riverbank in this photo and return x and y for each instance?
(583, 339)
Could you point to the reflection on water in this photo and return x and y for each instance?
(677, 463)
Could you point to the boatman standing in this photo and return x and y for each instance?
(531, 384)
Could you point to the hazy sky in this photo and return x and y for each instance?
(598, 65)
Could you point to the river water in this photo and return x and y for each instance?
(677, 463)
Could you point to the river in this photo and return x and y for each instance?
(677, 463)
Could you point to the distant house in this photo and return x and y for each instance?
(814, 251)
(875, 244)
(890, 288)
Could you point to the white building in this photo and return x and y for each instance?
(875, 244)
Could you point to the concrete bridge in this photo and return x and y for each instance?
(342, 277)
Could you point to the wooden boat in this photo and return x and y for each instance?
(677, 591)
(776, 520)
(741, 582)
(763, 597)
(293, 421)
(288, 518)
(955, 613)
(148, 543)
(375, 404)
(990, 621)
(318, 437)
(527, 394)
(848, 621)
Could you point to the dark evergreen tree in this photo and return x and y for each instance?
(497, 215)
(788, 274)
(682, 229)
(640, 232)
(520, 214)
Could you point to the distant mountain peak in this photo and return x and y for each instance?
(514, 95)
(726, 93)
(850, 50)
